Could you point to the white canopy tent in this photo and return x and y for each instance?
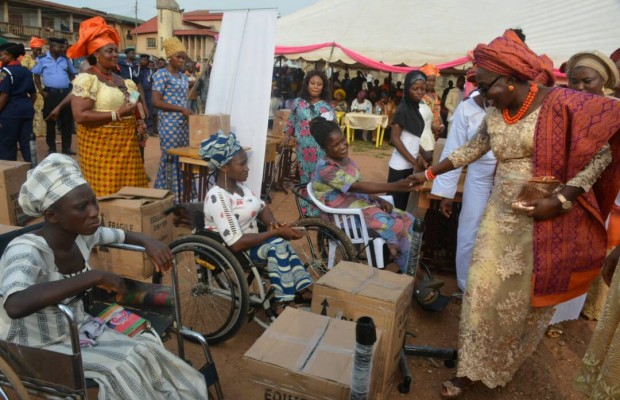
(414, 32)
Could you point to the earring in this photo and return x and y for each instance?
(511, 88)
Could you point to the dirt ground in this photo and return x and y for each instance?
(546, 375)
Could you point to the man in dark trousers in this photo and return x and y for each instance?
(55, 72)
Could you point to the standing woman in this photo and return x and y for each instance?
(590, 72)
(528, 260)
(431, 99)
(170, 89)
(17, 97)
(313, 101)
(411, 128)
(36, 47)
(106, 125)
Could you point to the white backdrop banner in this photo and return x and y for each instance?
(240, 83)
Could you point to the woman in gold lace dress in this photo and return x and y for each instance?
(524, 264)
(108, 144)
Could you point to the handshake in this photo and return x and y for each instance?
(412, 183)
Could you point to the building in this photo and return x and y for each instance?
(197, 30)
(22, 19)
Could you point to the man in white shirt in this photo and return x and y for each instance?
(455, 96)
(362, 105)
(478, 184)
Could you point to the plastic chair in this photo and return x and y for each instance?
(351, 221)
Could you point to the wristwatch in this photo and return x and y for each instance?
(566, 204)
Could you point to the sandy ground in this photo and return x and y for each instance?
(546, 375)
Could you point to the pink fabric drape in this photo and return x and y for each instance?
(374, 64)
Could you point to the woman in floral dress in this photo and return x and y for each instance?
(313, 101)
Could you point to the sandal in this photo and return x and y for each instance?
(455, 387)
(554, 331)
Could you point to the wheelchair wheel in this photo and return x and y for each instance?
(324, 247)
(17, 387)
(212, 288)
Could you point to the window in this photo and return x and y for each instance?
(129, 35)
(151, 43)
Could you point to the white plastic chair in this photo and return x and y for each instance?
(351, 221)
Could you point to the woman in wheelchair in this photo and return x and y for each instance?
(338, 183)
(233, 210)
(50, 266)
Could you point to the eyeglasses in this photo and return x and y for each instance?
(484, 89)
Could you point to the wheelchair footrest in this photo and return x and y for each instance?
(210, 373)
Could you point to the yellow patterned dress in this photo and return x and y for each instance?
(499, 329)
(109, 154)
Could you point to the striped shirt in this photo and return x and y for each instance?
(27, 261)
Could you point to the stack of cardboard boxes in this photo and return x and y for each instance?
(133, 210)
(296, 357)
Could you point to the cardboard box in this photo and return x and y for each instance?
(305, 356)
(201, 127)
(356, 290)
(12, 176)
(280, 118)
(133, 210)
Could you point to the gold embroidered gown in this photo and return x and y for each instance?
(499, 329)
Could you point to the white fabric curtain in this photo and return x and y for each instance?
(240, 83)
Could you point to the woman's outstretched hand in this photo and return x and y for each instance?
(187, 112)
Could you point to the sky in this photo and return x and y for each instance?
(146, 8)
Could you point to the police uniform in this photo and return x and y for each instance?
(16, 117)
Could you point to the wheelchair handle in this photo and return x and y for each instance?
(125, 246)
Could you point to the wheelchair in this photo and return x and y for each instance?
(221, 290)
(28, 370)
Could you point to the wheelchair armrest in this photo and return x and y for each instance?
(124, 246)
(75, 336)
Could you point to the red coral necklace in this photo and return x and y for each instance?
(524, 107)
(108, 77)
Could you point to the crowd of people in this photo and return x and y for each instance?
(111, 103)
(543, 169)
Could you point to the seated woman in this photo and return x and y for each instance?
(232, 209)
(338, 183)
(50, 266)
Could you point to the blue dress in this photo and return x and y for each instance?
(172, 125)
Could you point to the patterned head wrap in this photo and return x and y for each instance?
(508, 55)
(597, 61)
(172, 46)
(430, 70)
(94, 34)
(50, 181)
(219, 149)
(36, 42)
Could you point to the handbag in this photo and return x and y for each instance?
(534, 189)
